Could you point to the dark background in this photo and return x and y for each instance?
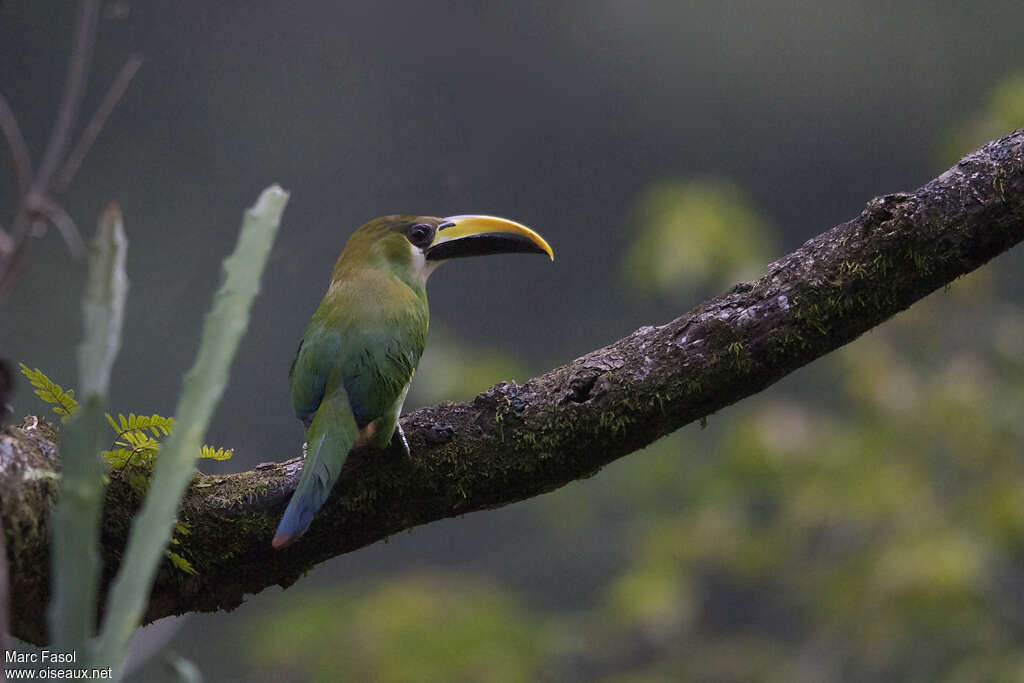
(555, 114)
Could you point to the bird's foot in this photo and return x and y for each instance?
(399, 446)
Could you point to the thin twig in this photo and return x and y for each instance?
(71, 100)
(56, 214)
(18, 242)
(95, 125)
(20, 158)
(37, 196)
(39, 192)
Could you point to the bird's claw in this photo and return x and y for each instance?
(399, 445)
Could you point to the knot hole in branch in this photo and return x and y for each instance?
(581, 386)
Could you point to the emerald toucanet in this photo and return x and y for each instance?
(360, 351)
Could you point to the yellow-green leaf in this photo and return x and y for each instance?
(180, 563)
(62, 400)
(212, 453)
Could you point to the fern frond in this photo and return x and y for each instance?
(157, 425)
(212, 453)
(62, 400)
(160, 425)
(118, 457)
(139, 441)
(180, 563)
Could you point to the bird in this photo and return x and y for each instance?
(357, 358)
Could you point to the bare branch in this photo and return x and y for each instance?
(96, 123)
(6, 244)
(517, 441)
(39, 195)
(60, 218)
(14, 256)
(20, 158)
(71, 100)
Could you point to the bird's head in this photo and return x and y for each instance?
(415, 245)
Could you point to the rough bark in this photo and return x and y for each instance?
(517, 441)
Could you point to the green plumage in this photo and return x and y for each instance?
(355, 363)
(356, 360)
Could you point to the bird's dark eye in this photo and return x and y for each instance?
(421, 234)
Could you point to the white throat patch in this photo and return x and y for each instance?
(421, 267)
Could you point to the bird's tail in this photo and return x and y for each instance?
(329, 438)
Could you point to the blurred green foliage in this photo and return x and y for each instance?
(694, 234)
(880, 540)
(451, 371)
(420, 627)
(861, 522)
(1002, 113)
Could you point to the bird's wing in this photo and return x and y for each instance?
(381, 363)
(313, 364)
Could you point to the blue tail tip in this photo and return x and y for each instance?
(282, 540)
(296, 520)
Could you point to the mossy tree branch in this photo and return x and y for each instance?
(513, 442)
